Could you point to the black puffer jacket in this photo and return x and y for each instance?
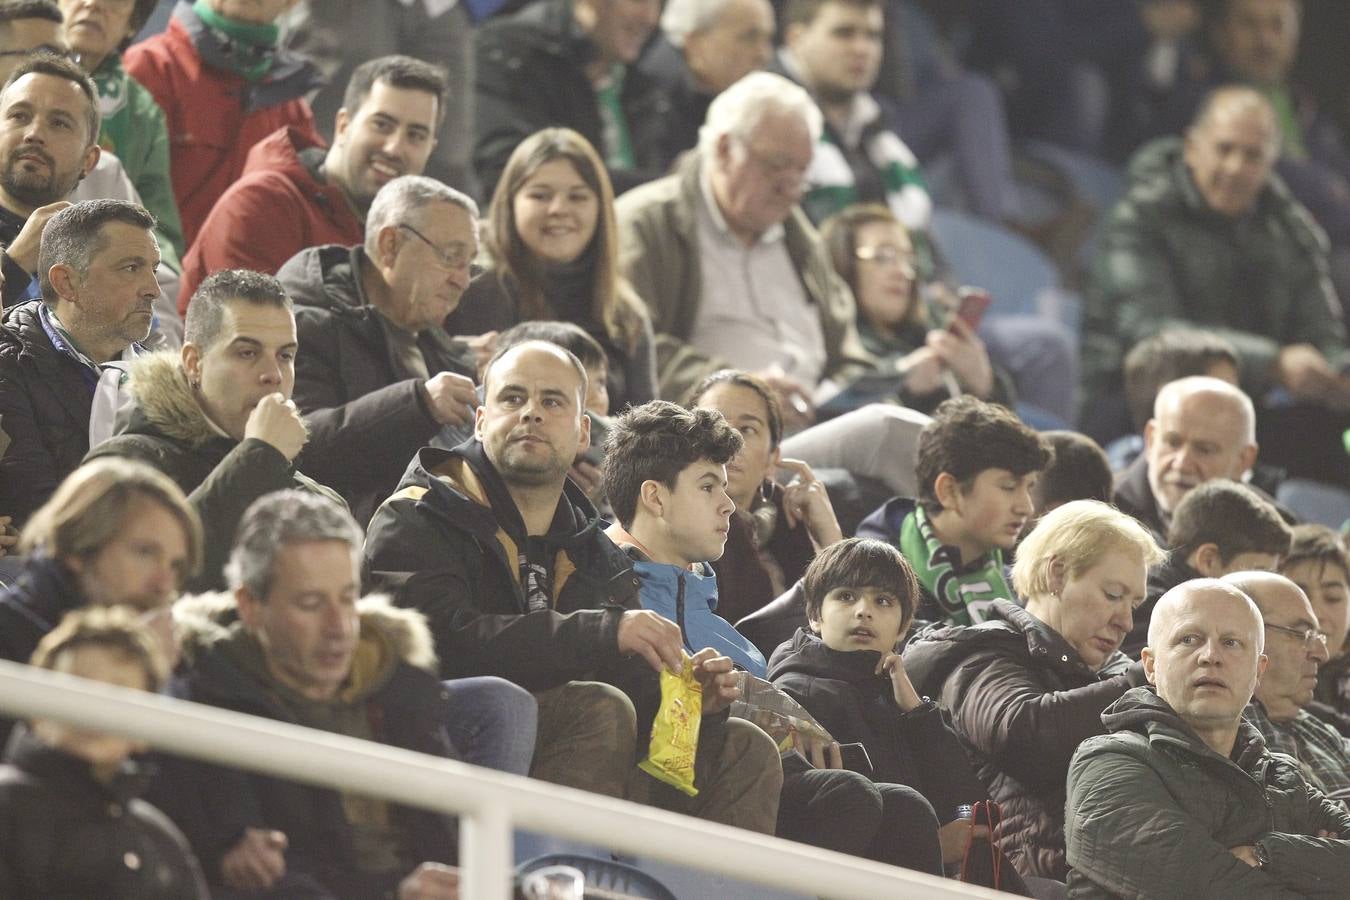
(366, 417)
(45, 399)
(844, 693)
(222, 477)
(1022, 701)
(66, 836)
(531, 75)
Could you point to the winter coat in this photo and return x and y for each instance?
(489, 305)
(1021, 700)
(1152, 812)
(64, 835)
(214, 116)
(531, 74)
(405, 706)
(440, 545)
(845, 694)
(659, 254)
(278, 207)
(1168, 261)
(222, 477)
(353, 392)
(45, 402)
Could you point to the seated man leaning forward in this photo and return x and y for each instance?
(510, 564)
(294, 641)
(1181, 798)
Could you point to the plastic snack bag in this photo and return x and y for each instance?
(675, 730)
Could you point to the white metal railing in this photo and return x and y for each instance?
(490, 804)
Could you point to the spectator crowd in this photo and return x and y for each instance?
(971, 379)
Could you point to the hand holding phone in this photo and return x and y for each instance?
(972, 303)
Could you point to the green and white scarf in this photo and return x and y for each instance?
(962, 592)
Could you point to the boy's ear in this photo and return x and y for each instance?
(652, 498)
(814, 623)
(948, 490)
(1207, 560)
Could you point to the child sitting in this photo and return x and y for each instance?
(844, 669)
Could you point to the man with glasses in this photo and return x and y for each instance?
(728, 263)
(1296, 646)
(376, 364)
(295, 194)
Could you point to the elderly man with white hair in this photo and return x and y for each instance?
(375, 371)
(703, 48)
(728, 263)
(1202, 428)
(1182, 798)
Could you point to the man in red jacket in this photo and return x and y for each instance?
(224, 85)
(295, 195)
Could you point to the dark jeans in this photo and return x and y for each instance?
(841, 810)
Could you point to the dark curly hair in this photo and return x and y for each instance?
(968, 436)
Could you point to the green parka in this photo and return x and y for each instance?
(1152, 812)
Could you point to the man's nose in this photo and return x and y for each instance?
(1317, 651)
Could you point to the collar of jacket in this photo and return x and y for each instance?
(45, 591)
(72, 774)
(810, 655)
(164, 402)
(1142, 711)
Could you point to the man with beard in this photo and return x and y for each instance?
(508, 561)
(49, 124)
(98, 262)
(293, 195)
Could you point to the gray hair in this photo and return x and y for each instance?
(278, 519)
(405, 195)
(684, 17)
(737, 111)
(1183, 388)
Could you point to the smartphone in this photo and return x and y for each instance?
(972, 303)
(855, 759)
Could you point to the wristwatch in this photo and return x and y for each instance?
(1262, 858)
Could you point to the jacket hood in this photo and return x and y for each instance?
(202, 621)
(164, 401)
(280, 152)
(1142, 711)
(327, 277)
(932, 654)
(807, 654)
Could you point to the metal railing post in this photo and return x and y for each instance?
(485, 842)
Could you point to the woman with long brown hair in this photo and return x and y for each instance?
(553, 254)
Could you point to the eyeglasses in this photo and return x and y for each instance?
(457, 257)
(885, 255)
(777, 167)
(1307, 635)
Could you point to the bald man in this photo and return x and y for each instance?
(1296, 646)
(1207, 237)
(1181, 798)
(1202, 428)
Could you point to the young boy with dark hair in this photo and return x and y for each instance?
(1219, 527)
(977, 464)
(665, 476)
(845, 670)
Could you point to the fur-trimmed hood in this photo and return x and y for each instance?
(201, 620)
(164, 401)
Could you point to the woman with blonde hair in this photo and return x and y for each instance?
(552, 248)
(1026, 686)
(115, 533)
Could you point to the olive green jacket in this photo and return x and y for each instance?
(1168, 261)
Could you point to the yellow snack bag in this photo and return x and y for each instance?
(675, 730)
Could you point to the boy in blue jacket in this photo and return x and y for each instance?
(666, 480)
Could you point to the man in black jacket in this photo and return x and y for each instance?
(376, 367)
(571, 63)
(508, 561)
(98, 290)
(293, 642)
